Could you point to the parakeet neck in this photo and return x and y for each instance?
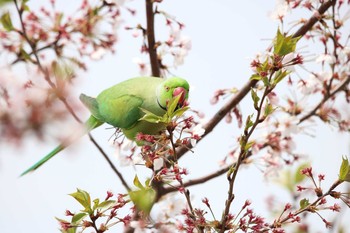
(158, 97)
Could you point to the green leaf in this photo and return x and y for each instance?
(150, 117)
(248, 145)
(255, 98)
(79, 217)
(3, 2)
(172, 105)
(286, 181)
(143, 199)
(249, 123)
(96, 203)
(148, 183)
(284, 45)
(137, 183)
(266, 81)
(6, 21)
(255, 77)
(344, 172)
(279, 76)
(180, 111)
(292, 177)
(83, 198)
(268, 109)
(265, 66)
(24, 55)
(230, 171)
(24, 5)
(106, 204)
(298, 176)
(304, 203)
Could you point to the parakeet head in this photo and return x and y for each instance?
(170, 88)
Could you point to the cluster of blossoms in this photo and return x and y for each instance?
(333, 69)
(28, 106)
(284, 7)
(157, 149)
(245, 220)
(52, 46)
(99, 215)
(278, 131)
(314, 93)
(68, 38)
(292, 212)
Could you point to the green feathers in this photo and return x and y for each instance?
(121, 104)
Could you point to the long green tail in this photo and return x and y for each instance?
(90, 124)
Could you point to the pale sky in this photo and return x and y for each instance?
(225, 36)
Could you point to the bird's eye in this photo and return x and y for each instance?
(167, 88)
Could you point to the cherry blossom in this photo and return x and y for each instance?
(282, 8)
(326, 58)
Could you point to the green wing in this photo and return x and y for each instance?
(91, 104)
(122, 112)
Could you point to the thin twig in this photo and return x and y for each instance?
(308, 207)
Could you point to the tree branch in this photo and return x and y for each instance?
(152, 49)
(222, 171)
(309, 207)
(251, 83)
(53, 86)
(200, 180)
(341, 87)
(233, 102)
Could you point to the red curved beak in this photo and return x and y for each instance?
(180, 91)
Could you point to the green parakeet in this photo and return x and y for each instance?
(120, 106)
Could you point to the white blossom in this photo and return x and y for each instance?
(310, 85)
(185, 42)
(282, 8)
(127, 144)
(118, 2)
(197, 131)
(158, 163)
(144, 68)
(324, 76)
(273, 164)
(179, 57)
(327, 58)
(344, 53)
(98, 53)
(288, 125)
(288, 145)
(170, 207)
